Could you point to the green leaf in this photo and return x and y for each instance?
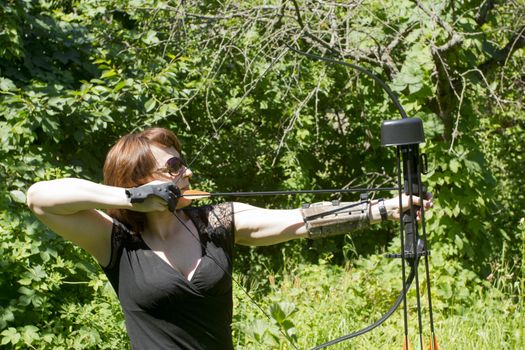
(30, 334)
(26, 291)
(57, 102)
(150, 104)
(108, 74)
(11, 335)
(150, 38)
(281, 311)
(48, 338)
(7, 84)
(24, 281)
(258, 329)
(454, 165)
(120, 86)
(18, 196)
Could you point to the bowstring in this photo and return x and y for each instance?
(224, 118)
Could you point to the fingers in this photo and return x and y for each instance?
(427, 203)
(394, 210)
(414, 201)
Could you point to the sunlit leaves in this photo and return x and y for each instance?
(415, 71)
(18, 196)
(10, 336)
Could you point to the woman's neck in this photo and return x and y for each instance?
(163, 224)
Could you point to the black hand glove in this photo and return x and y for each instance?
(167, 191)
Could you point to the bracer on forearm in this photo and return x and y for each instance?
(326, 219)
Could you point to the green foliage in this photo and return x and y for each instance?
(331, 301)
(76, 75)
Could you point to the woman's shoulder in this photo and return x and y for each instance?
(122, 232)
(122, 237)
(225, 207)
(212, 215)
(121, 228)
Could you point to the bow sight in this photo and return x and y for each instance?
(407, 134)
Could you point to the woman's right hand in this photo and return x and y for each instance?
(153, 196)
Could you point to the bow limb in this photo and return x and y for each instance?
(380, 321)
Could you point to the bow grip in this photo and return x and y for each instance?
(167, 191)
(413, 166)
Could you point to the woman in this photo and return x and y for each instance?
(172, 270)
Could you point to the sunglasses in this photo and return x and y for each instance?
(174, 166)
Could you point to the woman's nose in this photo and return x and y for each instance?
(188, 172)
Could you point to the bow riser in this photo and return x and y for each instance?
(407, 134)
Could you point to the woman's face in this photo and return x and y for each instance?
(181, 178)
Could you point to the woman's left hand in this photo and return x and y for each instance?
(392, 205)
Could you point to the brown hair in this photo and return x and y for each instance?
(131, 163)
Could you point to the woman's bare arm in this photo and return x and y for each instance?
(70, 206)
(258, 227)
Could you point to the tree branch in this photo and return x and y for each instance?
(455, 38)
(483, 13)
(381, 57)
(501, 56)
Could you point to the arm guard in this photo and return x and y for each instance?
(327, 219)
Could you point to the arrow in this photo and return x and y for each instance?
(197, 194)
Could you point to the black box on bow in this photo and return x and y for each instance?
(399, 132)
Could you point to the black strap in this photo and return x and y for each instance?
(382, 209)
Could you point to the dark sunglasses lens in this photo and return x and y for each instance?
(175, 164)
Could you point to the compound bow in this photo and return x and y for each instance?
(406, 134)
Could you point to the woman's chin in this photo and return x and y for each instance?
(183, 202)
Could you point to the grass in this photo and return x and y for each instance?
(330, 301)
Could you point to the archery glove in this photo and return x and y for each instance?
(167, 191)
(325, 219)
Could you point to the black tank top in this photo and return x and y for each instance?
(162, 309)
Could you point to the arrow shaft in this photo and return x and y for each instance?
(277, 193)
